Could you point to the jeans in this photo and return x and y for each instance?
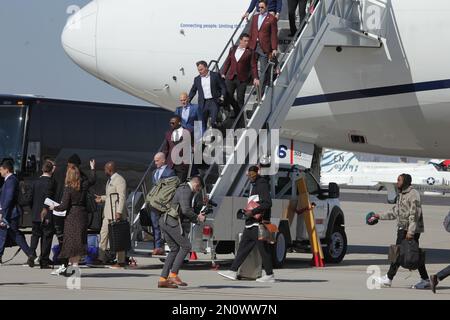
(444, 273)
(156, 229)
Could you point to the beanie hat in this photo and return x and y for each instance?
(74, 159)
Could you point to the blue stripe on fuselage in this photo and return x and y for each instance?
(373, 92)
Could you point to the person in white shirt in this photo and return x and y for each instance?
(176, 135)
(211, 92)
(238, 70)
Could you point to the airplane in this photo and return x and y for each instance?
(344, 168)
(394, 100)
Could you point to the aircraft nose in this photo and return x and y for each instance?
(79, 37)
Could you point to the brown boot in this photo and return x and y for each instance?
(167, 284)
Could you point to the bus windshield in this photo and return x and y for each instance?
(12, 124)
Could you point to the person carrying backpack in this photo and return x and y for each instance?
(408, 212)
(174, 224)
(162, 171)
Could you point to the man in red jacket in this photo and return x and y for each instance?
(264, 38)
(238, 69)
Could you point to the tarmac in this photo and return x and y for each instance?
(367, 251)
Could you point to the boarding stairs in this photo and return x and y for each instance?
(333, 23)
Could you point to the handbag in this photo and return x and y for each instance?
(411, 256)
(267, 231)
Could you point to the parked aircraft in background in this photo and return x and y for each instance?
(344, 168)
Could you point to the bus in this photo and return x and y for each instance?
(34, 128)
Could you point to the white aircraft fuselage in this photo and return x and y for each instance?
(397, 97)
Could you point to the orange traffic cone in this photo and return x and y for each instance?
(193, 256)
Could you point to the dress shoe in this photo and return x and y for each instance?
(167, 284)
(178, 281)
(30, 261)
(158, 252)
(434, 282)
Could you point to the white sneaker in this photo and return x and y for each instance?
(422, 284)
(232, 275)
(59, 271)
(267, 279)
(384, 281)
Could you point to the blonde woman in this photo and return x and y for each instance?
(75, 225)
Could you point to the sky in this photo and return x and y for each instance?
(32, 60)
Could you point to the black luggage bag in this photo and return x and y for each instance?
(118, 231)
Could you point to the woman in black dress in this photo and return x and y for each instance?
(75, 225)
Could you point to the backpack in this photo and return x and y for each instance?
(161, 194)
(411, 256)
(446, 222)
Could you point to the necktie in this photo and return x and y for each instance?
(157, 175)
(177, 137)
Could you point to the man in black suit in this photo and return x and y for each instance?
(42, 219)
(211, 91)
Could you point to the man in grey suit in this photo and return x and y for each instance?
(116, 184)
(174, 230)
(162, 171)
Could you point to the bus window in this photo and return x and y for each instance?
(12, 124)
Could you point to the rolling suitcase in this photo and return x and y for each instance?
(118, 231)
